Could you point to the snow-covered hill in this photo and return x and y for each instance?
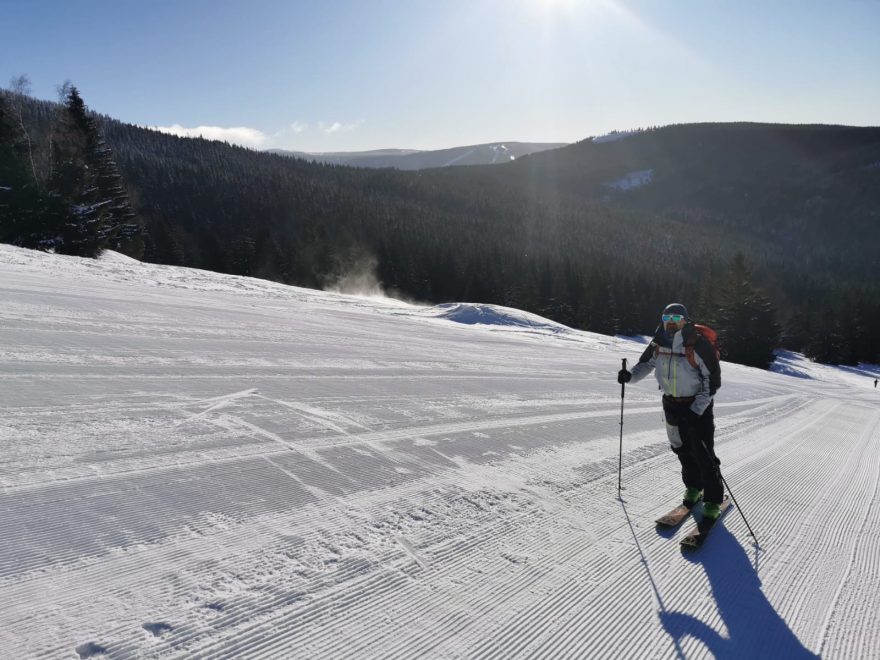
(201, 465)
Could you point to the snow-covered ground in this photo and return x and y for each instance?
(200, 465)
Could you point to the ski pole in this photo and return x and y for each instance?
(620, 459)
(727, 487)
(724, 481)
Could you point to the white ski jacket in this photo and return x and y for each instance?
(676, 376)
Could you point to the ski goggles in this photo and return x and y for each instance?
(674, 318)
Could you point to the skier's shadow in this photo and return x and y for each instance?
(754, 628)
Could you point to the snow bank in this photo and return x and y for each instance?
(494, 315)
(794, 364)
(111, 257)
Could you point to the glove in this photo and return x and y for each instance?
(623, 376)
(690, 417)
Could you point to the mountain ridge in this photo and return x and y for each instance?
(415, 159)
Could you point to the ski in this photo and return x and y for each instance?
(674, 517)
(695, 538)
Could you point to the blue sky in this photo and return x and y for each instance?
(348, 75)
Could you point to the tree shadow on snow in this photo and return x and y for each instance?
(754, 628)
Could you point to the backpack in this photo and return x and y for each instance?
(711, 358)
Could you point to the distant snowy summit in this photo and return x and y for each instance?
(409, 159)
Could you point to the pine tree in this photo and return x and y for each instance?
(74, 181)
(86, 177)
(124, 231)
(856, 335)
(827, 344)
(745, 318)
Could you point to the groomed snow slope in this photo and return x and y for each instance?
(198, 465)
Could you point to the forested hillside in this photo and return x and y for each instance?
(598, 235)
(810, 192)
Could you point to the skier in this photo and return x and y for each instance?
(875, 383)
(686, 366)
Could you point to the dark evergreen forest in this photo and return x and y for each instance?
(767, 232)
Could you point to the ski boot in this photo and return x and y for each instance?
(691, 497)
(711, 513)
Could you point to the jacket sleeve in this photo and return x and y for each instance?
(704, 397)
(645, 365)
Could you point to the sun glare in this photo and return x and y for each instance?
(563, 4)
(567, 9)
(555, 4)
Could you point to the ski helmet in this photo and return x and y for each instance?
(676, 308)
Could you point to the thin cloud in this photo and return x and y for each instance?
(240, 135)
(338, 127)
(299, 127)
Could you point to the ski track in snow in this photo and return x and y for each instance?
(203, 466)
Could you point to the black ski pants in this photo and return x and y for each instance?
(699, 465)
